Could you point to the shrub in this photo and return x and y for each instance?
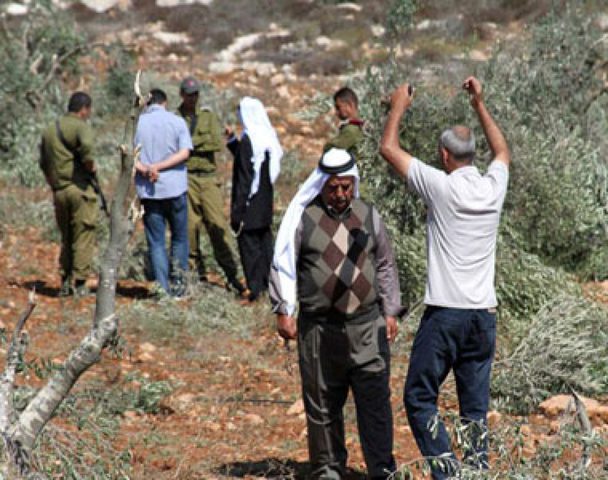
(548, 99)
(556, 213)
(30, 83)
(566, 346)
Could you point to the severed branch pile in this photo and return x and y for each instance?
(19, 432)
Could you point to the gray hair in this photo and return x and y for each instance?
(460, 142)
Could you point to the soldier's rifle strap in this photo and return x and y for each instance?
(93, 181)
(193, 122)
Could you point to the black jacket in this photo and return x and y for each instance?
(256, 212)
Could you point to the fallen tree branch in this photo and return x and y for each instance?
(20, 434)
(13, 356)
(585, 423)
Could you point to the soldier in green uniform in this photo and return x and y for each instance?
(67, 162)
(350, 133)
(205, 201)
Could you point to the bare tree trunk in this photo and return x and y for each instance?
(19, 433)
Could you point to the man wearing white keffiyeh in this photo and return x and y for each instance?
(333, 257)
(257, 157)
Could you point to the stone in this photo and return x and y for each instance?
(378, 30)
(558, 404)
(494, 418)
(147, 347)
(144, 357)
(263, 69)
(329, 44)
(478, 56)
(176, 3)
(253, 419)
(222, 67)
(277, 79)
(554, 426)
(296, 408)
(16, 9)
(349, 6)
(180, 403)
(171, 38)
(101, 6)
(487, 31)
(602, 22)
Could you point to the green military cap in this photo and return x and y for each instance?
(189, 85)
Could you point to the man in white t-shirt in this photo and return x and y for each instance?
(458, 329)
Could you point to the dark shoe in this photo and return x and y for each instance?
(81, 290)
(238, 286)
(66, 289)
(178, 290)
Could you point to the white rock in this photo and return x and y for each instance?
(558, 404)
(253, 419)
(424, 24)
(440, 24)
(350, 6)
(171, 38)
(16, 9)
(175, 3)
(378, 30)
(602, 22)
(263, 69)
(221, 67)
(323, 41)
(240, 44)
(478, 56)
(328, 43)
(296, 408)
(101, 6)
(402, 51)
(147, 347)
(277, 79)
(247, 42)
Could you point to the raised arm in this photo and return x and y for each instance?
(495, 138)
(390, 149)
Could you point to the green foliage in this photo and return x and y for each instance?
(114, 94)
(211, 309)
(556, 213)
(548, 99)
(523, 285)
(35, 53)
(17, 214)
(150, 395)
(566, 346)
(400, 17)
(509, 450)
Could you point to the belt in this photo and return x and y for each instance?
(201, 173)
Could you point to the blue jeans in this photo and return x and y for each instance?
(459, 339)
(157, 213)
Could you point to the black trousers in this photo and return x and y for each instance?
(336, 358)
(255, 248)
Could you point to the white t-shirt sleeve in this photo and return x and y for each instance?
(425, 180)
(498, 174)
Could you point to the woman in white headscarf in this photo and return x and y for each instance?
(257, 157)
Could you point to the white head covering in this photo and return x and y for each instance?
(263, 139)
(334, 162)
